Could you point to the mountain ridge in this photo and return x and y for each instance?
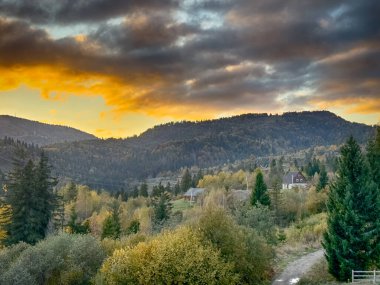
(172, 146)
(34, 132)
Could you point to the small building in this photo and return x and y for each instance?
(193, 194)
(294, 179)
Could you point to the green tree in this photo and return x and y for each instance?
(71, 192)
(143, 190)
(111, 225)
(31, 199)
(77, 227)
(373, 156)
(186, 181)
(260, 191)
(352, 238)
(162, 207)
(323, 179)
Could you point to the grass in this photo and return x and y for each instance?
(318, 275)
(180, 205)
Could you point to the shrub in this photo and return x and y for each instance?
(62, 259)
(249, 253)
(308, 231)
(110, 245)
(172, 258)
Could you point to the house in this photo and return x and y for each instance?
(294, 179)
(193, 194)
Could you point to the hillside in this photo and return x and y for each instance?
(110, 163)
(33, 132)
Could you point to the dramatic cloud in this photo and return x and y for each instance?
(196, 59)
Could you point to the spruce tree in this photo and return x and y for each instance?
(46, 200)
(162, 207)
(186, 181)
(111, 225)
(260, 191)
(352, 237)
(77, 227)
(31, 199)
(323, 179)
(143, 190)
(373, 156)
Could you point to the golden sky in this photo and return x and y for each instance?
(115, 68)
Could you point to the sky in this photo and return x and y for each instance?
(114, 68)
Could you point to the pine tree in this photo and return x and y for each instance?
(45, 198)
(71, 192)
(177, 188)
(260, 191)
(323, 179)
(135, 192)
(162, 207)
(59, 215)
(352, 240)
(373, 157)
(31, 199)
(143, 190)
(111, 225)
(186, 181)
(75, 227)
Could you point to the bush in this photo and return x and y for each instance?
(259, 218)
(172, 258)
(110, 245)
(249, 253)
(62, 259)
(308, 231)
(9, 254)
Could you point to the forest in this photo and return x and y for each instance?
(72, 234)
(112, 163)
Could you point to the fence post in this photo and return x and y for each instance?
(352, 276)
(374, 276)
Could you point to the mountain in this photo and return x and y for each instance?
(37, 133)
(110, 163)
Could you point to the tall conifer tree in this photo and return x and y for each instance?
(260, 191)
(31, 199)
(352, 237)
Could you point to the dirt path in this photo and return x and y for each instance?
(294, 271)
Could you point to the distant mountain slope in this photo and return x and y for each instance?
(208, 143)
(41, 134)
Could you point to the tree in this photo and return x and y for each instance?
(135, 192)
(186, 181)
(31, 199)
(71, 192)
(323, 179)
(352, 239)
(162, 207)
(143, 190)
(373, 157)
(260, 191)
(77, 227)
(177, 257)
(111, 225)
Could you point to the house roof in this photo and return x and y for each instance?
(194, 192)
(289, 178)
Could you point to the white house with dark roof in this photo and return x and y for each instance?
(294, 179)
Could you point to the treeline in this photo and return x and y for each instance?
(111, 163)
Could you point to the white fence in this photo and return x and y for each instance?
(372, 277)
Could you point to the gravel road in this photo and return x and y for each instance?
(294, 271)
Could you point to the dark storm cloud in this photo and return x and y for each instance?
(225, 54)
(76, 11)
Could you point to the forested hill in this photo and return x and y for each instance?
(33, 132)
(171, 146)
